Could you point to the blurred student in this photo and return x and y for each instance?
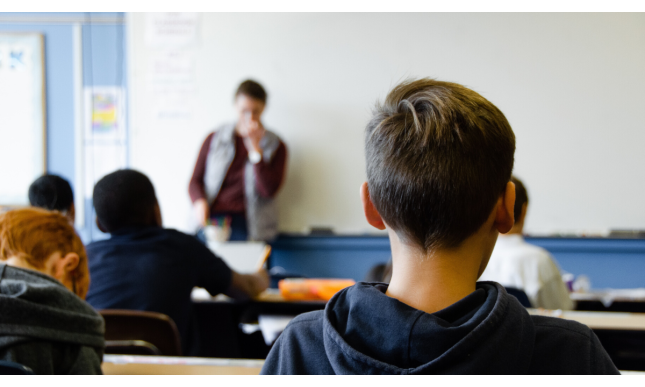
(380, 273)
(439, 160)
(239, 170)
(44, 322)
(517, 264)
(53, 193)
(144, 266)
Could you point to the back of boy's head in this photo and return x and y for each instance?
(51, 192)
(124, 198)
(521, 198)
(439, 155)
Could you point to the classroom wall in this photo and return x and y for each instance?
(103, 55)
(570, 84)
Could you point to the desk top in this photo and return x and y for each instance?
(598, 320)
(608, 296)
(167, 365)
(269, 296)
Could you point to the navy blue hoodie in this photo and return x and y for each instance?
(363, 331)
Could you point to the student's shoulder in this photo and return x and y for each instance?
(568, 347)
(98, 244)
(186, 242)
(307, 320)
(560, 326)
(179, 237)
(535, 251)
(300, 348)
(536, 256)
(173, 233)
(308, 324)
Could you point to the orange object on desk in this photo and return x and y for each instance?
(312, 289)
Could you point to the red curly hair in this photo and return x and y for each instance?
(34, 234)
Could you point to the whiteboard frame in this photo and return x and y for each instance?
(42, 109)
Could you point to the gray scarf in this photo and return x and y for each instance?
(261, 212)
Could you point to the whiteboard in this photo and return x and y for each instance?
(22, 115)
(570, 84)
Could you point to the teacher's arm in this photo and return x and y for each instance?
(269, 175)
(196, 186)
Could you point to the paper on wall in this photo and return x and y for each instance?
(171, 82)
(171, 29)
(104, 114)
(105, 134)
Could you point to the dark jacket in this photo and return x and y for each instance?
(46, 327)
(155, 269)
(363, 331)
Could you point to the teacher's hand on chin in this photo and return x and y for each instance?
(253, 132)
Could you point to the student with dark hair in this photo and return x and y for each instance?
(239, 170)
(53, 193)
(439, 160)
(144, 266)
(518, 264)
(44, 322)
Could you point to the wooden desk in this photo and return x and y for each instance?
(599, 320)
(166, 365)
(621, 334)
(218, 320)
(611, 300)
(268, 302)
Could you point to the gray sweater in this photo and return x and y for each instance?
(46, 327)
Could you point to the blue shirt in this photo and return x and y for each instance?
(154, 269)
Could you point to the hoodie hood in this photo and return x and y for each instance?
(36, 306)
(367, 332)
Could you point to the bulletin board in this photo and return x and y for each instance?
(22, 115)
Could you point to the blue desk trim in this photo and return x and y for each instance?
(332, 242)
(615, 263)
(591, 245)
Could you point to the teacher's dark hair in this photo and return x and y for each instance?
(124, 198)
(252, 89)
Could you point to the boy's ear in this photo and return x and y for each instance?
(371, 214)
(157, 215)
(505, 218)
(65, 264)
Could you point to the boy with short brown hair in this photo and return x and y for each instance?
(439, 160)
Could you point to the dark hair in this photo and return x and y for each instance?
(521, 198)
(438, 157)
(51, 192)
(124, 198)
(252, 89)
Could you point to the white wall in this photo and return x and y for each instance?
(571, 85)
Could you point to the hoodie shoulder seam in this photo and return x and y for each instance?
(300, 319)
(585, 334)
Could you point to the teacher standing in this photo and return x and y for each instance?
(239, 170)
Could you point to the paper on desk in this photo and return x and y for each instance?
(272, 325)
(242, 257)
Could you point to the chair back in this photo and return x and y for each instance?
(520, 295)
(12, 368)
(135, 332)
